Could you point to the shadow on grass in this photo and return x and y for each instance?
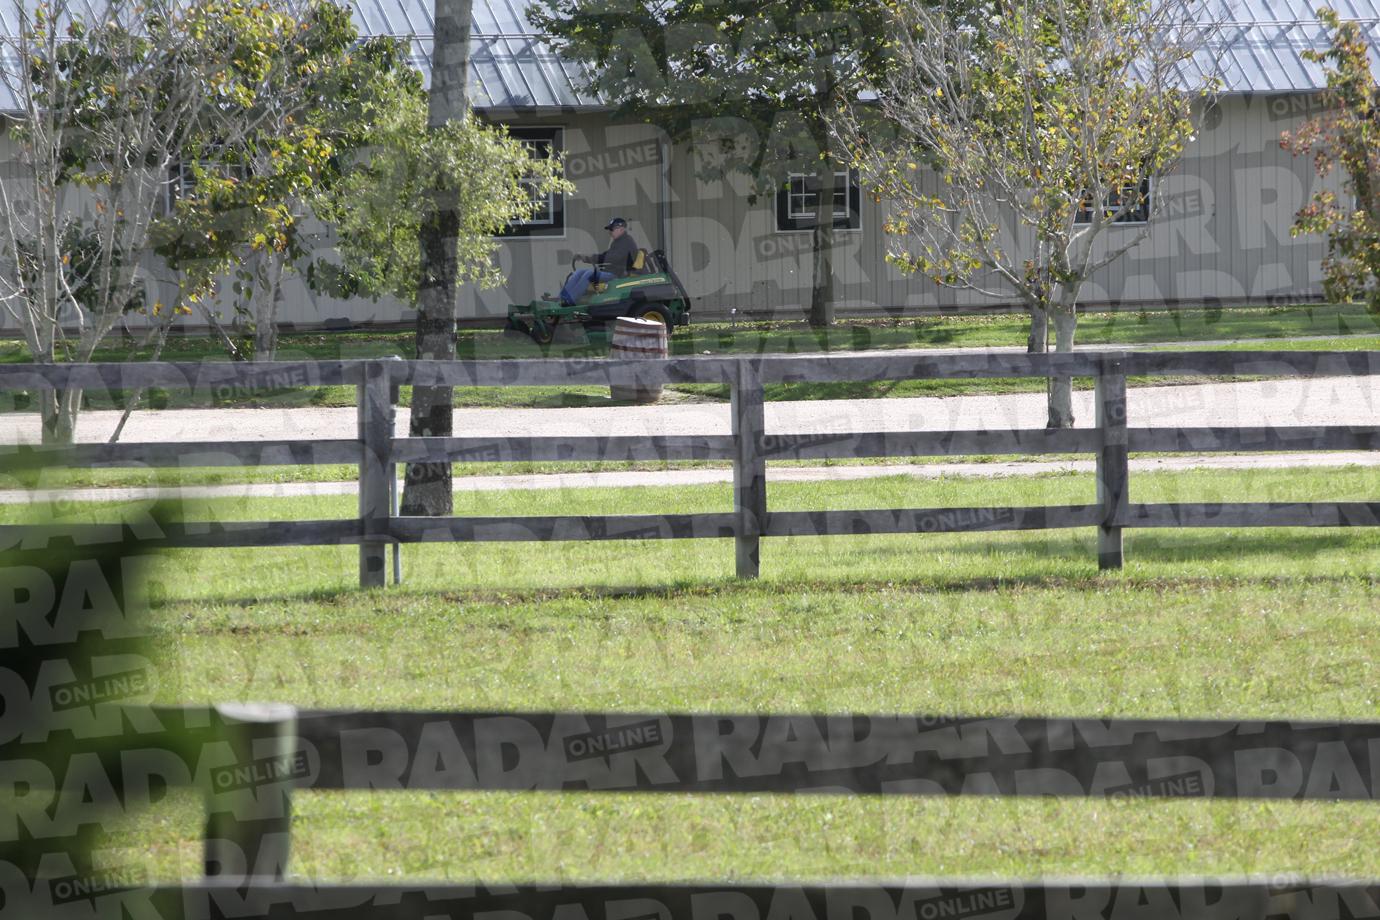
(727, 587)
(1176, 546)
(1171, 546)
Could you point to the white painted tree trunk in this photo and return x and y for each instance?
(1061, 388)
(267, 297)
(58, 415)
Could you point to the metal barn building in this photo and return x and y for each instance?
(1222, 234)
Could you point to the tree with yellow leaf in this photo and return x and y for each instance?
(314, 94)
(110, 104)
(1022, 157)
(1345, 139)
(97, 123)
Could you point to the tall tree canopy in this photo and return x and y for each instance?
(1022, 157)
(248, 176)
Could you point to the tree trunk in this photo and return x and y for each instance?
(268, 296)
(58, 415)
(1061, 388)
(268, 278)
(1038, 341)
(427, 489)
(822, 236)
(822, 250)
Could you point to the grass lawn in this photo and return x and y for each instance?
(1250, 623)
(1347, 326)
(85, 477)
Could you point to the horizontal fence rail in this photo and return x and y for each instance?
(749, 445)
(253, 748)
(1068, 899)
(249, 761)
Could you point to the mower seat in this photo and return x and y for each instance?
(640, 263)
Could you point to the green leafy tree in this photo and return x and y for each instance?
(372, 211)
(1345, 139)
(755, 83)
(1014, 155)
(312, 93)
(414, 216)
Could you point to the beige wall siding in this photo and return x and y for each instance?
(1223, 233)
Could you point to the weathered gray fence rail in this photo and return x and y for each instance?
(251, 761)
(749, 446)
(1115, 899)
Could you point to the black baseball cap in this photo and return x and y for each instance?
(616, 222)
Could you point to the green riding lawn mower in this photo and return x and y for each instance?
(650, 290)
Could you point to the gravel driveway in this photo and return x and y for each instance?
(1316, 401)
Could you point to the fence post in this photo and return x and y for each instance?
(375, 418)
(391, 468)
(749, 468)
(1113, 460)
(249, 801)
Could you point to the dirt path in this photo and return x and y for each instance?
(624, 479)
(1317, 401)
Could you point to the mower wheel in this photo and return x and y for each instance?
(542, 333)
(656, 313)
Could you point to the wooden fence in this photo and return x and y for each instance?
(749, 446)
(250, 762)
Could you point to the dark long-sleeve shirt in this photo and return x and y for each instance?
(620, 253)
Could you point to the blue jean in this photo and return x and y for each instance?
(576, 285)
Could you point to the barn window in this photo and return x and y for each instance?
(799, 194)
(548, 215)
(181, 182)
(1135, 197)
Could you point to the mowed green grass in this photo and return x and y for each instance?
(1245, 623)
(956, 331)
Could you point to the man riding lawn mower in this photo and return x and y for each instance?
(624, 281)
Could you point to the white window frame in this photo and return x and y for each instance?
(1129, 219)
(800, 207)
(533, 145)
(537, 228)
(180, 180)
(840, 190)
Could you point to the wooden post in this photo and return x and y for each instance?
(749, 468)
(375, 416)
(1113, 461)
(249, 800)
(391, 468)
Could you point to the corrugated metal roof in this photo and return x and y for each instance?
(511, 68)
(1262, 43)
(1261, 47)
